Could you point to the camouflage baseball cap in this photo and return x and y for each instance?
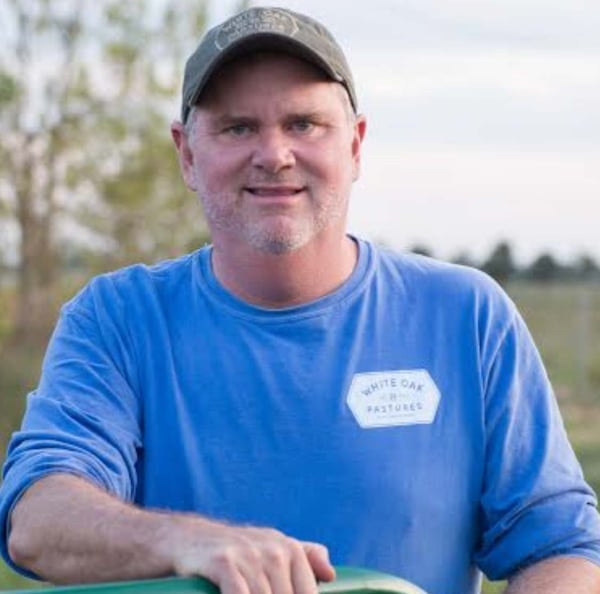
(264, 29)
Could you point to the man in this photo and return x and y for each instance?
(290, 388)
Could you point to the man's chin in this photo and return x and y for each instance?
(278, 247)
(278, 244)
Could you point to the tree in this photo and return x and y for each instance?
(464, 259)
(544, 268)
(421, 250)
(500, 264)
(586, 268)
(85, 89)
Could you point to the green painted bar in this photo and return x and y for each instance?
(350, 580)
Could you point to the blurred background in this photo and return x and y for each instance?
(483, 148)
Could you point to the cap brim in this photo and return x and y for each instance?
(262, 42)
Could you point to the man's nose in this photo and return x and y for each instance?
(273, 151)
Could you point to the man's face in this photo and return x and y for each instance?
(273, 151)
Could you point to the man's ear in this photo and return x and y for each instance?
(184, 154)
(360, 129)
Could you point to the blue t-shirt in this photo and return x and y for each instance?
(405, 420)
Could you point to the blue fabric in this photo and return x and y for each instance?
(166, 390)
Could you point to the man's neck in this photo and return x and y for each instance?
(285, 280)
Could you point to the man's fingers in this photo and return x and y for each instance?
(248, 560)
(232, 582)
(276, 564)
(304, 580)
(257, 581)
(236, 570)
(318, 558)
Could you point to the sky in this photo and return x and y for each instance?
(483, 121)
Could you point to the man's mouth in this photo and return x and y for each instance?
(274, 191)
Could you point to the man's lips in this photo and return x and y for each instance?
(274, 191)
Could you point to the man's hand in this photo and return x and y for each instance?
(247, 560)
(68, 531)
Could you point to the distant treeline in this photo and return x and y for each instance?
(501, 265)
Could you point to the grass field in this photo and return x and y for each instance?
(565, 322)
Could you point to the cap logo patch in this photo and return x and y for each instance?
(261, 21)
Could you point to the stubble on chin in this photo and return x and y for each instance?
(270, 236)
(276, 242)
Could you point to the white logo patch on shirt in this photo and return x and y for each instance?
(392, 398)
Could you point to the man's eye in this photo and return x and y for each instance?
(302, 125)
(238, 129)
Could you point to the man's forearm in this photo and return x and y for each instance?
(557, 576)
(69, 531)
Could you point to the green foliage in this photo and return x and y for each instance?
(9, 89)
(86, 146)
(586, 267)
(500, 264)
(493, 587)
(565, 322)
(9, 580)
(544, 268)
(421, 250)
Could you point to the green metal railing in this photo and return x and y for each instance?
(349, 580)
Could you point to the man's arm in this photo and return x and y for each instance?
(67, 531)
(557, 576)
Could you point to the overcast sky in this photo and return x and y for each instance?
(484, 121)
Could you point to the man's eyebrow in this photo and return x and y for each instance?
(312, 114)
(224, 119)
(308, 113)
